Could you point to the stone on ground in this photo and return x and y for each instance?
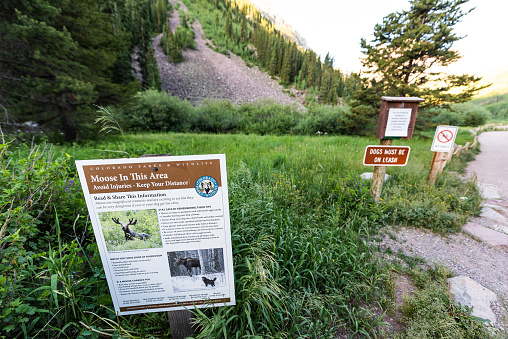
(491, 237)
(368, 176)
(467, 292)
(490, 191)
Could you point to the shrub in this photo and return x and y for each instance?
(159, 111)
(38, 270)
(465, 114)
(322, 118)
(268, 117)
(445, 117)
(216, 116)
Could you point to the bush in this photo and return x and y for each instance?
(465, 114)
(268, 117)
(445, 117)
(39, 270)
(325, 119)
(216, 116)
(472, 115)
(159, 111)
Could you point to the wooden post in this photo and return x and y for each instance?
(179, 321)
(466, 147)
(378, 177)
(436, 166)
(459, 150)
(475, 141)
(446, 158)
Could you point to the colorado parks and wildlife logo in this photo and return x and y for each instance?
(207, 186)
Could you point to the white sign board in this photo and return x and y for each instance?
(444, 138)
(163, 231)
(398, 122)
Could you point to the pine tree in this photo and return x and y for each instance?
(229, 25)
(324, 90)
(169, 45)
(153, 79)
(274, 61)
(56, 59)
(407, 47)
(285, 72)
(244, 28)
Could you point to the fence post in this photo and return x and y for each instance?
(436, 166)
(466, 147)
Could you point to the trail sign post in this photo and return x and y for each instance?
(443, 142)
(444, 138)
(386, 155)
(397, 119)
(163, 231)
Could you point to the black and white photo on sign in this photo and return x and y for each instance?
(197, 269)
(130, 230)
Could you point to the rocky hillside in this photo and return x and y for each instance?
(206, 74)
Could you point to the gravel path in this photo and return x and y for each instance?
(491, 165)
(206, 74)
(461, 253)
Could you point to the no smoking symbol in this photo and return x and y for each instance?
(445, 136)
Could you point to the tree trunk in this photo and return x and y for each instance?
(68, 125)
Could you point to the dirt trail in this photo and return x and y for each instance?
(479, 253)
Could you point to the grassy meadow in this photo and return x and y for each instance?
(303, 224)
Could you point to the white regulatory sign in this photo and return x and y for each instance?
(398, 122)
(444, 138)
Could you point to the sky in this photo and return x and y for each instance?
(336, 26)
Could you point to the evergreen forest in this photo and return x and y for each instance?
(60, 61)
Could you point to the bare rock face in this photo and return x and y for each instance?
(468, 292)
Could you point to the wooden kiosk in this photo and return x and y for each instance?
(397, 119)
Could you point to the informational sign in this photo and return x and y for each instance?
(163, 231)
(444, 138)
(398, 122)
(386, 155)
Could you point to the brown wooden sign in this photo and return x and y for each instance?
(386, 155)
(397, 113)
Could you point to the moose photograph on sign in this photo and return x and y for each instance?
(197, 269)
(130, 230)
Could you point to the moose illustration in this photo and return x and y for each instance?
(189, 263)
(130, 234)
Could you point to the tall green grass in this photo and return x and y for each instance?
(301, 221)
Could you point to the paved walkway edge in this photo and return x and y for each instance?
(488, 235)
